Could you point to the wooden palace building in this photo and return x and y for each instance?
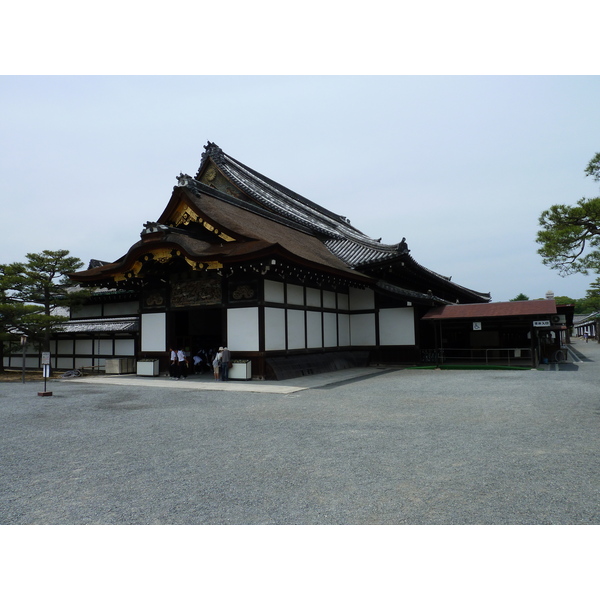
(238, 260)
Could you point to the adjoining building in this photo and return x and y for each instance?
(510, 333)
(237, 259)
(587, 325)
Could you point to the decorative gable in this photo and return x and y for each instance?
(183, 215)
(210, 175)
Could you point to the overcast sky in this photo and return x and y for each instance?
(462, 166)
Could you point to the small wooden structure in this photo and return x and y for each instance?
(499, 333)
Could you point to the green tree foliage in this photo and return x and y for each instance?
(564, 300)
(519, 298)
(593, 168)
(591, 302)
(570, 235)
(37, 295)
(569, 238)
(587, 305)
(15, 317)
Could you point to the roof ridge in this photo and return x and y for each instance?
(198, 187)
(326, 222)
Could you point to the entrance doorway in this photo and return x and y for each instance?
(197, 329)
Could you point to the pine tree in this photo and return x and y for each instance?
(43, 283)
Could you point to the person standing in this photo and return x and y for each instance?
(182, 364)
(174, 364)
(225, 364)
(217, 364)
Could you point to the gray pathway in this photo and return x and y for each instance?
(207, 383)
(359, 447)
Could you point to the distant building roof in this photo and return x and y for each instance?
(493, 309)
(581, 320)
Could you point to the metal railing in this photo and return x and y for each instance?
(487, 355)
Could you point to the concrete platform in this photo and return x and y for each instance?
(206, 383)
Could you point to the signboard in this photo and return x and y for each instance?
(46, 372)
(476, 325)
(541, 323)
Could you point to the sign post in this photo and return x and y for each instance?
(46, 369)
(24, 344)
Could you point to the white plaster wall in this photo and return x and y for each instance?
(295, 329)
(361, 299)
(396, 327)
(83, 346)
(64, 347)
(362, 330)
(242, 329)
(314, 329)
(17, 361)
(344, 329)
(313, 297)
(64, 363)
(329, 330)
(274, 328)
(104, 347)
(154, 332)
(343, 301)
(295, 294)
(274, 291)
(124, 347)
(328, 299)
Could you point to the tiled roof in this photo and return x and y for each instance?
(254, 225)
(581, 320)
(117, 325)
(261, 217)
(493, 309)
(384, 285)
(257, 235)
(357, 250)
(345, 241)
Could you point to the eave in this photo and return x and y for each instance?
(427, 281)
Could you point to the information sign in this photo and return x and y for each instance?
(541, 323)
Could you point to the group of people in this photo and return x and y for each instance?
(219, 361)
(179, 365)
(221, 364)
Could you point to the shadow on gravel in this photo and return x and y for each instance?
(565, 367)
(336, 384)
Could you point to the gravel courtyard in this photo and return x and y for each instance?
(398, 447)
